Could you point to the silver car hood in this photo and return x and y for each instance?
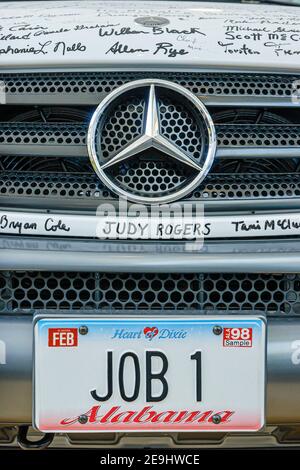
(149, 35)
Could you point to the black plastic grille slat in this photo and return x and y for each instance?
(88, 187)
(38, 133)
(70, 139)
(258, 136)
(91, 87)
(43, 139)
(29, 291)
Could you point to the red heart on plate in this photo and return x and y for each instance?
(150, 332)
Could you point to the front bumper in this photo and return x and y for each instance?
(283, 371)
(230, 256)
(22, 254)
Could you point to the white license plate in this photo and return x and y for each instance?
(150, 374)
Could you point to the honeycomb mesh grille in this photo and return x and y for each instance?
(28, 291)
(122, 126)
(180, 127)
(151, 177)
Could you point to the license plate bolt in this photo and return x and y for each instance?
(82, 419)
(216, 419)
(83, 330)
(217, 330)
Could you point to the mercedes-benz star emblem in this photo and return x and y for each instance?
(152, 21)
(151, 141)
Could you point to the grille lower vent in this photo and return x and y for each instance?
(93, 292)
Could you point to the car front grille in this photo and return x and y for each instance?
(43, 126)
(29, 292)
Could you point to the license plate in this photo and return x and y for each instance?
(149, 374)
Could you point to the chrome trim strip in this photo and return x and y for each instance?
(82, 204)
(90, 99)
(251, 256)
(257, 152)
(42, 151)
